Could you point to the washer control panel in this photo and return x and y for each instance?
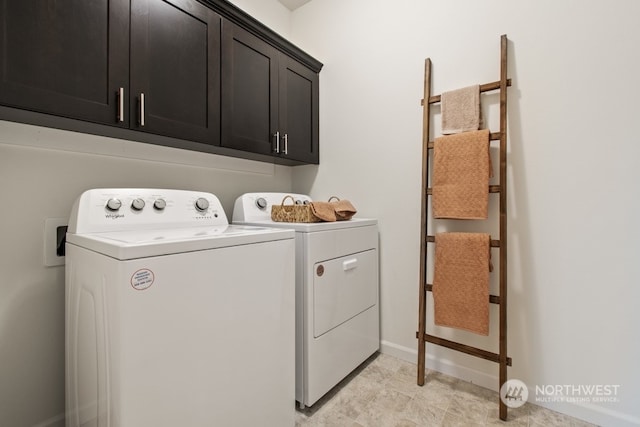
(113, 209)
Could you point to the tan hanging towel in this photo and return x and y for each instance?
(461, 110)
(461, 171)
(461, 281)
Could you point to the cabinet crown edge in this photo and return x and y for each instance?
(243, 19)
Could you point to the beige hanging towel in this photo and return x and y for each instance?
(461, 281)
(461, 110)
(461, 171)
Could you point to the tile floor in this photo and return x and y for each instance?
(383, 393)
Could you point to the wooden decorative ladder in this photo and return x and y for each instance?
(501, 243)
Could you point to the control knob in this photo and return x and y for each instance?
(113, 204)
(261, 203)
(159, 204)
(202, 204)
(137, 204)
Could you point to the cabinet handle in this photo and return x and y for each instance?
(277, 137)
(141, 109)
(121, 104)
(286, 143)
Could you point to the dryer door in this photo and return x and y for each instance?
(343, 288)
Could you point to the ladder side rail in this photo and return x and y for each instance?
(422, 309)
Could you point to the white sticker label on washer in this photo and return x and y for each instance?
(142, 279)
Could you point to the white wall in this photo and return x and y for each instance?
(572, 212)
(42, 171)
(573, 149)
(271, 13)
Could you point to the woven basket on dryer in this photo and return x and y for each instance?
(339, 210)
(293, 213)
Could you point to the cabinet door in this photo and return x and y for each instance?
(175, 69)
(249, 91)
(298, 110)
(67, 58)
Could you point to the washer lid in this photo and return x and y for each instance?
(125, 245)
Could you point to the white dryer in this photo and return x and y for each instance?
(174, 317)
(337, 308)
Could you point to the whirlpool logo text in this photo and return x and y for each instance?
(113, 215)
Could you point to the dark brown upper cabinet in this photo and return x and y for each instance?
(83, 60)
(67, 58)
(175, 69)
(298, 111)
(194, 74)
(249, 91)
(269, 100)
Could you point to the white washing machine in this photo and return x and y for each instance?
(337, 309)
(174, 317)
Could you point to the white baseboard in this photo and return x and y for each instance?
(404, 353)
(55, 421)
(441, 365)
(584, 411)
(592, 413)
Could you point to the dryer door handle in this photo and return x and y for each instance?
(350, 264)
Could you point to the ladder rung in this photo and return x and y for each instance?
(474, 351)
(492, 189)
(493, 136)
(487, 87)
(493, 299)
(494, 243)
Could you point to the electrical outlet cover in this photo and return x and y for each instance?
(51, 225)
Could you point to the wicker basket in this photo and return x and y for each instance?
(292, 213)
